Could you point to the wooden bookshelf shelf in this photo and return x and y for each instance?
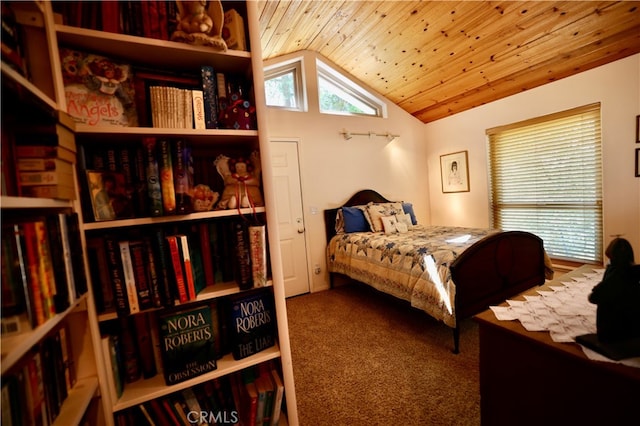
(169, 219)
(15, 346)
(155, 387)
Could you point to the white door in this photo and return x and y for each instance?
(286, 176)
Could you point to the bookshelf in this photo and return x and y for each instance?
(31, 98)
(49, 31)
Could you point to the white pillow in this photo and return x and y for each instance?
(389, 223)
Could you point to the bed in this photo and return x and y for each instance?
(451, 273)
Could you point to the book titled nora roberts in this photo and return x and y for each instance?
(187, 343)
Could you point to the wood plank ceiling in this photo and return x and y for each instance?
(438, 58)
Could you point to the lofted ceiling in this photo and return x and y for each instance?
(438, 58)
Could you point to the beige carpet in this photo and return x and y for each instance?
(364, 358)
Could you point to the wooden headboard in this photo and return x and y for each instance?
(359, 198)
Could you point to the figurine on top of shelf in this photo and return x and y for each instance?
(200, 24)
(204, 198)
(241, 181)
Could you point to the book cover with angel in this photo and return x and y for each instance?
(98, 90)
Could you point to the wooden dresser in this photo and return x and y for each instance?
(528, 379)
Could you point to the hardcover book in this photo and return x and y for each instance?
(165, 166)
(98, 90)
(210, 97)
(154, 187)
(187, 343)
(252, 321)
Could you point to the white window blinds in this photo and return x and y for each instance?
(546, 178)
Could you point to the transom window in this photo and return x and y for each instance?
(284, 86)
(546, 178)
(340, 95)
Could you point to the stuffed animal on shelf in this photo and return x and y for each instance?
(200, 24)
(241, 181)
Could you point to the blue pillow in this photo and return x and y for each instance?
(408, 208)
(354, 220)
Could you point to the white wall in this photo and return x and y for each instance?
(616, 86)
(332, 168)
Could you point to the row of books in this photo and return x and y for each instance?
(156, 177)
(161, 266)
(43, 270)
(34, 390)
(149, 18)
(252, 397)
(102, 91)
(185, 342)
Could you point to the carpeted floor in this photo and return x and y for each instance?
(363, 358)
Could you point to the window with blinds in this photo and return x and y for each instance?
(546, 178)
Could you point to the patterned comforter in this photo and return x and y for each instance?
(413, 266)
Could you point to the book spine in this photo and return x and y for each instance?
(258, 251)
(130, 353)
(154, 187)
(45, 178)
(129, 277)
(61, 260)
(182, 175)
(139, 261)
(44, 152)
(152, 269)
(207, 254)
(67, 359)
(141, 199)
(117, 275)
(100, 277)
(76, 249)
(45, 268)
(166, 177)
(24, 272)
(145, 345)
(43, 164)
(183, 242)
(113, 378)
(210, 99)
(243, 257)
(31, 244)
(197, 97)
(176, 262)
(164, 267)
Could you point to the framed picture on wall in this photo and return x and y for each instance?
(637, 162)
(637, 128)
(454, 171)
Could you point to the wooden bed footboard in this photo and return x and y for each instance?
(495, 268)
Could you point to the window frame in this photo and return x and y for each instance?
(529, 185)
(296, 67)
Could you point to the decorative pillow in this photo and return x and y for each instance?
(354, 219)
(401, 227)
(405, 219)
(408, 208)
(379, 210)
(389, 224)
